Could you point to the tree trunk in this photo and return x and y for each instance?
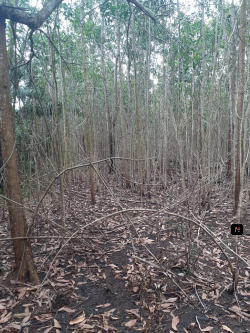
(232, 95)
(138, 129)
(179, 129)
(108, 113)
(89, 123)
(125, 162)
(148, 50)
(18, 225)
(240, 103)
(202, 134)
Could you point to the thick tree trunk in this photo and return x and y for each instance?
(18, 226)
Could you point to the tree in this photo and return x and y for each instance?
(89, 122)
(18, 224)
(202, 135)
(125, 162)
(232, 93)
(240, 103)
(137, 114)
(107, 107)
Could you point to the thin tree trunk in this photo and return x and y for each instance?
(138, 130)
(202, 134)
(165, 118)
(65, 159)
(89, 123)
(126, 172)
(148, 109)
(232, 94)
(179, 130)
(240, 103)
(108, 113)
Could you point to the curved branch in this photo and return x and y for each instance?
(33, 21)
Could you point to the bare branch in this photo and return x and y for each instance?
(33, 21)
(145, 10)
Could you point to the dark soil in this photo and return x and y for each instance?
(137, 271)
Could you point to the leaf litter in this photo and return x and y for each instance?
(98, 284)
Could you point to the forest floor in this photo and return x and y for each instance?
(135, 271)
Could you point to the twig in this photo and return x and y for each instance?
(199, 297)
(167, 273)
(198, 323)
(1, 285)
(88, 224)
(45, 237)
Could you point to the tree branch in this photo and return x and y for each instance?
(33, 21)
(145, 10)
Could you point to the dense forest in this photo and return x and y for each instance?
(124, 166)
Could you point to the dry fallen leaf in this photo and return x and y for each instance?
(235, 308)
(87, 326)
(26, 319)
(66, 310)
(175, 322)
(78, 319)
(22, 292)
(207, 329)
(4, 314)
(171, 300)
(103, 305)
(227, 328)
(57, 324)
(130, 323)
(42, 317)
(166, 305)
(204, 296)
(191, 326)
(32, 288)
(6, 318)
(134, 312)
(13, 325)
(48, 330)
(21, 315)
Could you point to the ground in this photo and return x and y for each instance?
(143, 270)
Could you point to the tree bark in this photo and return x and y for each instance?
(179, 129)
(148, 54)
(202, 134)
(33, 21)
(18, 225)
(89, 122)
(232, 94)
(240, 103)
(108, 113)
(125, 162)
(138, 128)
